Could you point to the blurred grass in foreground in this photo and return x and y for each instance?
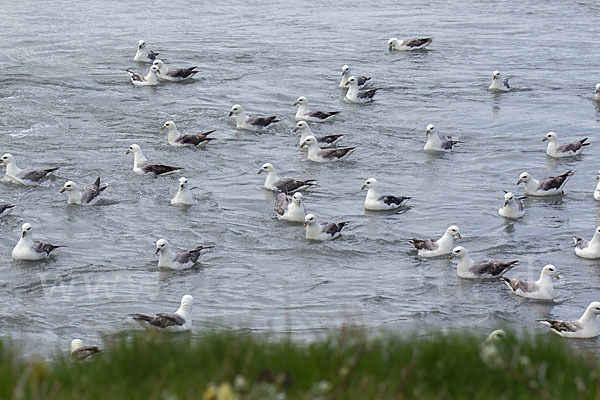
(347, 365)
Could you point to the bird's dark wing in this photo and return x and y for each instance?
(4, 207)
(336, 153)
(135, 77)
(262, 121)
(367, 94)
(417, 42)
(332, 228)
(361, 80)
(85, 352)
(158, 169)
(563, 326)
(195, 139)
(282, 201)
(555, 182)
(182, 72)
(36, 175)
(492, 267)
(288, 185)
(389, 200)
(427, 244)
(518, 283)
(40, 246)
(329, 138)
(572, 147)
(322, 114)
(160, 320)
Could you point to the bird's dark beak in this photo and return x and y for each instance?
(598, 177)
(505, 203)
(556, 276)
(259, 171)
(230, 113)
(519, 181)
(305, 224)
(63, 190)
(295, 104)
(544, 139)
(157, 250)
(23, 234)
(295, 130)
(363, 187)
(427, 132)
(451, 256)
(127, 152)
(458, 236)
(162, 127)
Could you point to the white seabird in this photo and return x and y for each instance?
(586, 249)
(376, 202)
(488, 269)
(436, 143)
(550, 186)
(182, 260)
(499, 84)
(542, 289)
(597, 190)
(323, 231)
(361, 80)
(175, 74)
(563, 150)
(179, 321)
(597, 92)
(582, 328)
(316, 154)
(141, 166)
(176, 138)
(512, 207)
(290, 208)
(251, 124)
(313, 116)
(285, 185)
(355, 95)
(142, 56)
(88, 196)
(327, 140)
(440, 247)
(409, 44)
(151, 79)
(5, 207)
(184, 194)
(27, 249)
(80, 352)
(28, 177)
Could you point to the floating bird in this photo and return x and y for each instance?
(597, 92)
(151, 79)
(312, 116)
(377, 202)
(563, 150)
(182, 260)
(323, 231)
(142, 166)
(436, 143)
(184, 194)
(28, 177)
(5, 207)
(176, 138)
(327, 140)
(469, 269)
(597, 190)
(499, 84)
(586, 249)
(409, 44)
(251, 124)
(80, 352)
(582, 328)
(542, 289)
(552, 185)
(290, 208)
(27, 249)
(88, 196)
(440, 247)
(142, 56)
(179, 321)
(361, 80)
(173, 75)
(285, 185)
(495, 336)
(512, 207)
(355, 95)
(316, 154)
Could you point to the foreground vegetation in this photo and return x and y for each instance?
(347, 365)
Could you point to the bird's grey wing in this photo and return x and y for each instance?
(40, 246)
(262, 121)
(580, 243)
(505, 81)
(194, 139)
(519, 203)
(288, 185)
(322, 114)
(362, 80)
(282, 201)
(389, 200)
(4, 207)
(182, 72)
(35, 174)
(367, 94)
(161, 320)
(157, 169)
(563, 326)
(135, 77)
(332, 228)
(491, 267)
(555, 182)
(336, 153)
(416, 42)
(152, 55)
(518, 283)
(329, 138)
(427, 244)
(448, 142)
(85, 352)
(186, 256)
(572, 147)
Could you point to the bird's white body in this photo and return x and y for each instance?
(445, 244)
(166, 258)
(271, 179)
(314, 230)
(510, 208)
(498, 84)
(592, 250)
(532, 186)
(401, 44)
(151, 78)
(184, 311)
(295, 211)
(352, 94)
(184, 195)
(433, 143)
(24, 250)
(173, 134)
(553, 148)
(315, 152)
(12, 172)
(373, 200)
(597, 190)
(303, 113)
(138, 159)
(544, 288)
(465, 262)
(587, 322)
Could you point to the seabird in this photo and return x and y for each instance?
(436, 143)
(173, 75)
(88, 196)
(251, 124)
(358, 96)
(469, 269)
(323, 231)
(179, 321)
(542, 289)
(23, 176)
(512, 207)
(142, 56)
(151, 79)
(544, 187)
(582, 328)
(285, 185)
(597, 92)
(184, 194)
(376, 202)
(80, 352)
(176, 138)
(597, 190)
(324, 141)
(495, 336)
(316, 154)
(290, 208)
(182, 260)
(409, 44)
(499, 84)
(361, 80)
(27, 249)
(563, 150)
(4, 207)
(434, 248)
(312, 116)
(142, 166)
(586, 249)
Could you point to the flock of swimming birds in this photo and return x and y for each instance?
(289, 202)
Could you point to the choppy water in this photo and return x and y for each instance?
(65, 101)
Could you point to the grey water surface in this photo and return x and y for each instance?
(66, 101)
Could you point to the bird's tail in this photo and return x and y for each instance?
(140, 317)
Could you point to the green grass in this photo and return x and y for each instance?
(347, 365)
